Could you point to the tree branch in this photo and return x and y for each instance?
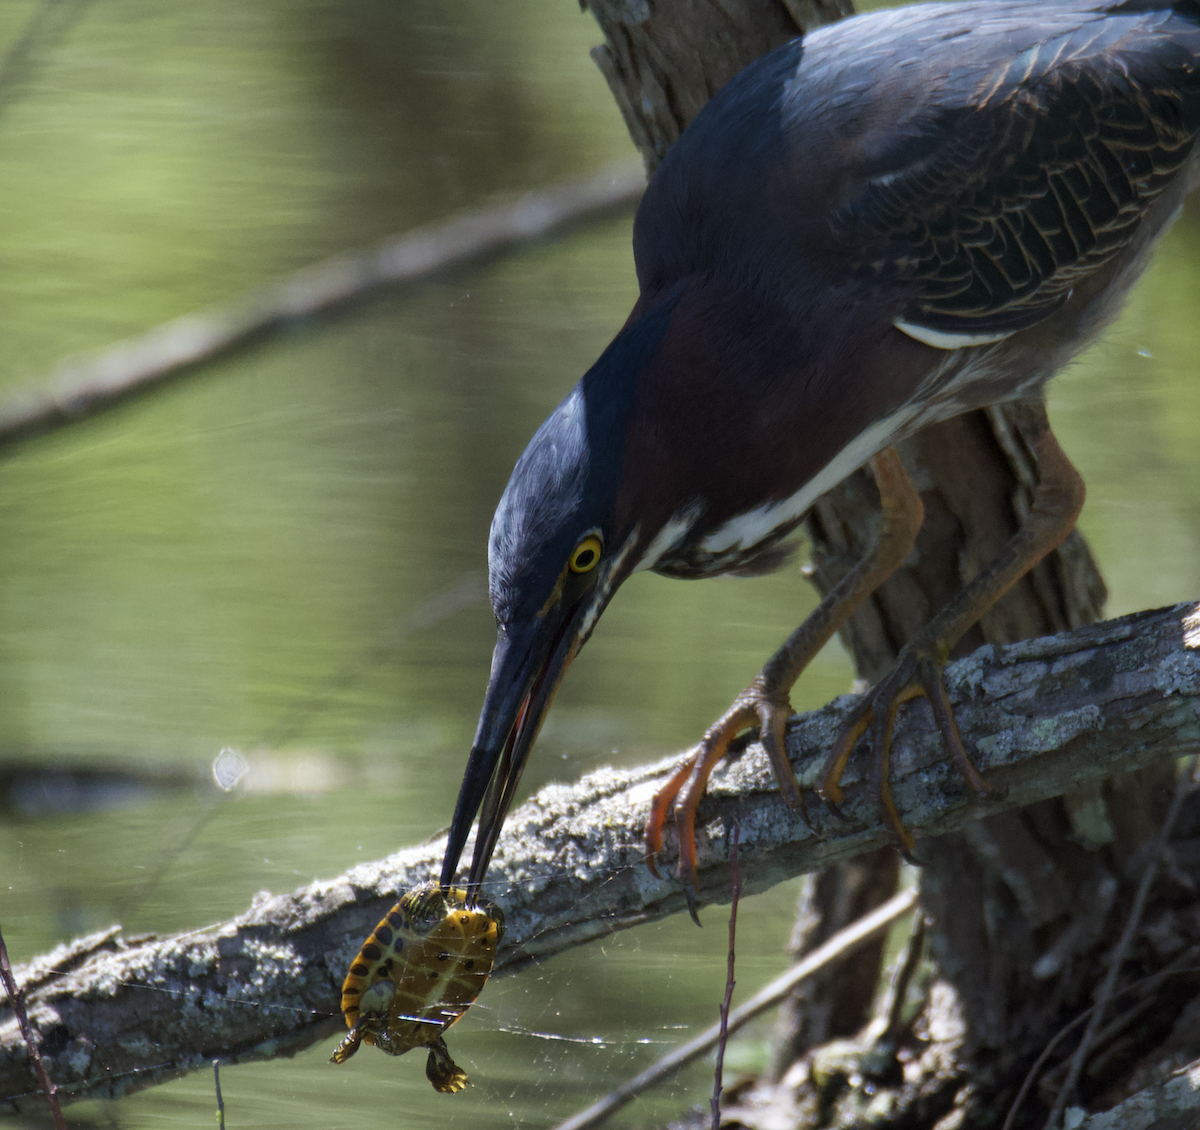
(1172, 1102)
(1044, 717)
(81, 387)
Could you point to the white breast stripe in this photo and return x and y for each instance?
(941, 340)
(750, 528)
(605, 588)
(667, 537)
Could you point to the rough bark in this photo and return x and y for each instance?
(1169, 1105)
(664, 59)
(115, 1014)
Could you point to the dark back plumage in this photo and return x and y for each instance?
(1037, 176)
(970, 162)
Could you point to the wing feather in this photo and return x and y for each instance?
(1038, 177)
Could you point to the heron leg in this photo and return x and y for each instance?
(765, 701)
(1056, 504)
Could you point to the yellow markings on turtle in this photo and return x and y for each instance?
(419, 971)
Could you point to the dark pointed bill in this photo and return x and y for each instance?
(527, 667)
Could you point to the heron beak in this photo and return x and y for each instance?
(527, 666)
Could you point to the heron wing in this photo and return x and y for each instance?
(994, 209)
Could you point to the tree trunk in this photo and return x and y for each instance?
(1015, 903)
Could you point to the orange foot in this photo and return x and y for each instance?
(1055, 506)
(918, 672)
(1052, 513)
(765, 701)
(750, 707)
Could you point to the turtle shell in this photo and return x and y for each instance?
(417, 973)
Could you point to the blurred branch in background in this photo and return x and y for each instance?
(113, 1015)
(45, 28)
(82, 387)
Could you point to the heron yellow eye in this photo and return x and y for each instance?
(586, 556)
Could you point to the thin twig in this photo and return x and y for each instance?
(82, 387)
(1106, 1041)
(1183, 787)
(840, 946)
(904, 975)
(220, 1100)
(17, 997)
(723, 1031)
(1032, 1075)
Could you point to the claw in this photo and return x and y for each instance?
(918, 672)
(1051, 516)
(693, 773)
(773, 717)
(884, 722)
(828, 787)
(689, 890)
(835, 810)
(659, 807)
(943, 715)
(910, 857)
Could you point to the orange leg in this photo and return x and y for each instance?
(765, 701)
(1056, 504)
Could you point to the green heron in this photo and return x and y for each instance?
(897, 219)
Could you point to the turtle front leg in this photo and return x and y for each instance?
(348, 1046)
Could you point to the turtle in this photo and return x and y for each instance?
(418, 972)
